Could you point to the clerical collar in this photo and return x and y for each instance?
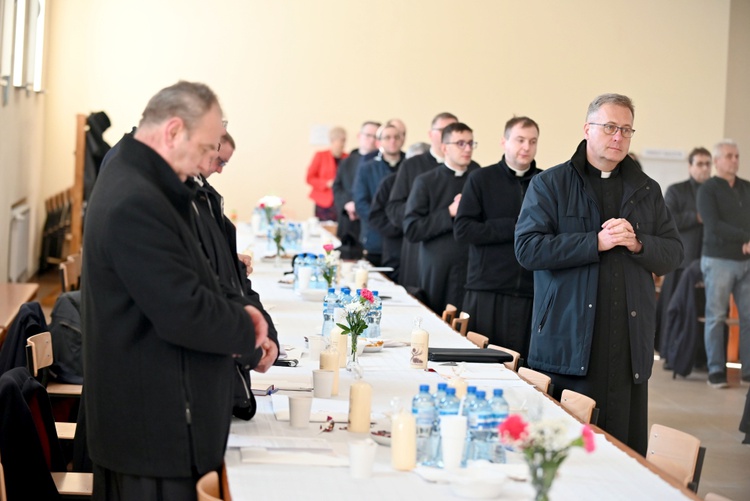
(519, 173)
(198, 180)
(456, 172)
(437, 157)
(594, 172)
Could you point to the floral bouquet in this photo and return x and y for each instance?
(270, 206)
(545, 445)
(355, 315)
(330, 264)
(278, 231)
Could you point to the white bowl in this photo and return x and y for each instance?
(312, 294)
(479, 481)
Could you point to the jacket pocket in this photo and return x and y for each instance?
(545, 312)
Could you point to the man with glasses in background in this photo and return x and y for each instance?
(499, 291)
(430, 211)
(366, 182)
(348, 220)
(593, 230)
(395, 209)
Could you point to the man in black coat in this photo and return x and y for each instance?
(499, 291)
(430, 211)
(218, 237)
(159, 333)
(396, 208)
(681, 199)
(348, 220)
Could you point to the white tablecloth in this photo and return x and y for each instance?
(607, 473)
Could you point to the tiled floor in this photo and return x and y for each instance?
(687, 404)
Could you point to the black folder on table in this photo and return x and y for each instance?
(476, 355)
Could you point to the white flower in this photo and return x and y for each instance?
(271, 201)
(355, 307)
(551, 434)
(332, 258)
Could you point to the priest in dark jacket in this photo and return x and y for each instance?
(430, 210)
(158, 331)
(396, 207)
(594, 229)
(499, 290)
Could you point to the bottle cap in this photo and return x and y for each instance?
(424, 387)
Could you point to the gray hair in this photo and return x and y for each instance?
(616, 99)
(417, 149)
(721, 144)
(189, 101)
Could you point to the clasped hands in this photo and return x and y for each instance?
(618, 231)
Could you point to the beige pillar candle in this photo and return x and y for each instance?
(360, 278)
(403, 441)
(343, 347)
(420, 340)
(360, 404)
(329, 361)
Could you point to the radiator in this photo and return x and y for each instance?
(18, 257)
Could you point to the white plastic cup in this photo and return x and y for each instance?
(362, 457)
(299, 410)
(304, 275)
(322, 383)
(453, 440)
(317, 344)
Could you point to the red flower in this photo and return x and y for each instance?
(588, 438)
(278, 217)
(367, 295)
(262, 206)
(328, 248)
(514, 427)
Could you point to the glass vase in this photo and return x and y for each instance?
(352, 364)
(543, 473)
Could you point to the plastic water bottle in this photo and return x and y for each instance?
(423, 409)
(320, 281)
(471, 395)
(374, 316)
(440, 393)
(480, 428)
(299, 262)
(329, 307)
(448, 405)
(500, 410)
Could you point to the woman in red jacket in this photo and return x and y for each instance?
(322, 172)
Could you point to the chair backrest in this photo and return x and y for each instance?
(3, 495)
(41, 352)
(712, 496)
(538, 379)
(578, 404)
(674, 451)
(513, 364)
(461, 323)
(478, 339)
(449, 313)
(208, 487)
(70, 272)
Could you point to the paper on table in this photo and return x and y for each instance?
(289, 450)
(321, 409)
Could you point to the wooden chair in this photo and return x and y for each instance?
(538, 379)
(581, 406)
(70, 273)
(513, 364)
(208, 487)
(712, 496)
(678, 453)
(3, 495)
(39, 356)
(461, 323)
(449, 313)
(478, 339)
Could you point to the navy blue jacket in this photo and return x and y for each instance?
(556, 236)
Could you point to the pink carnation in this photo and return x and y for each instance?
(588, 438)
(262, 206)
(278, 217)
(328, 247)
(514, 427)
(367, 295)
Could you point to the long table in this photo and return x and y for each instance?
(611, 472)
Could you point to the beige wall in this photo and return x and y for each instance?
(737, 122)
(281, 67)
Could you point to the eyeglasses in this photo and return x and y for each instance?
(221, 163)
(611, 129)
(370, 136)
(463, 144)
(224, 123)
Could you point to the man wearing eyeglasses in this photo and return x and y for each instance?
(430, 211)
(681, 199)
(366, 182)
(499, 291)
(395, 209)
(218, 238)
(593, 230)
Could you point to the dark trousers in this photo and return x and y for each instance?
(114, 486)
